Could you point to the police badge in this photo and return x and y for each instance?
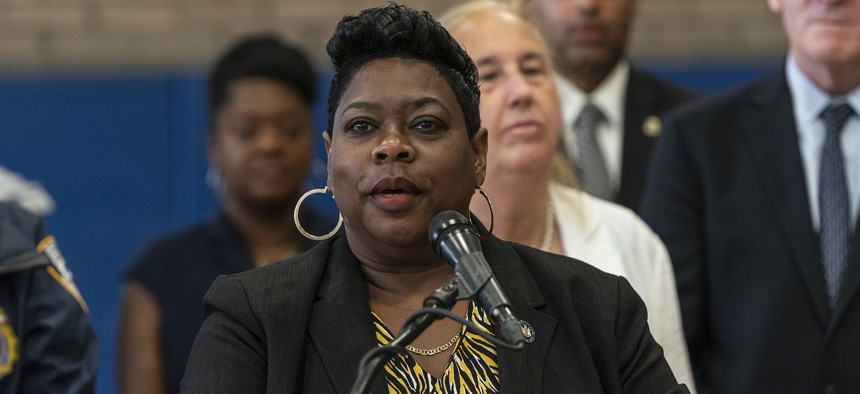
(8, 345)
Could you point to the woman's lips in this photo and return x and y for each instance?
(394, 201)
(394, 193)
(524, 128)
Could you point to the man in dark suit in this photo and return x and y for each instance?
(609, 144)
(756, 194)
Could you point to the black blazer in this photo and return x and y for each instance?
(302, 326)
(727, 195)
(646, 97)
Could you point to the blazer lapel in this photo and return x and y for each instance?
(639, 103)
(773, 135)
(340, 326)
(521, 371)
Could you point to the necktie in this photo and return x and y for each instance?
(833, 200)
(590, 166)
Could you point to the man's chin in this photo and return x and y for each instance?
(589, 60)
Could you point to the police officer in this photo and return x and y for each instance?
(47, 343)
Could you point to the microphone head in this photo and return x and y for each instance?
(445, 222)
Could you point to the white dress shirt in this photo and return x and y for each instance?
(808, 101)
(609, 99)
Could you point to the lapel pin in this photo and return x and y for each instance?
(528, 331)
(652, 126)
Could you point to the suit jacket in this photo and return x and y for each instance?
(646, 96)
(726, 193)
(303, 325)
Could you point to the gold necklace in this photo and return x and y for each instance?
(437, 350)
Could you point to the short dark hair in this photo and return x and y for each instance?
(262, 55)
(399, 31)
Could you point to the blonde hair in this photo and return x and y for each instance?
(457, 15)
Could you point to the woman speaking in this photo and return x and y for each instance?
(404, 143)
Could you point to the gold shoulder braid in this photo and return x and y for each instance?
(437, 350)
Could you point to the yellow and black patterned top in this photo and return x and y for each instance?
(473, 367)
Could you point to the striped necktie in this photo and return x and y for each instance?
(590, 166)
(833, 200)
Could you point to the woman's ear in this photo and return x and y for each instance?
(327, 139)
(479, 147)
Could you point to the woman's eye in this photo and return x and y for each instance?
(426, 125)
(245, 132)
(359, 127)
(532, 71)
(290, 131)
(489, 76)
(533, 67)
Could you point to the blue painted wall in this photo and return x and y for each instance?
(123, 156)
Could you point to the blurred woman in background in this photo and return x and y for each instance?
(259, 146)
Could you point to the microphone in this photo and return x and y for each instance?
(455, 240)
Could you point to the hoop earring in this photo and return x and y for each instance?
(299, 224)
(492, 216)
(213, 177)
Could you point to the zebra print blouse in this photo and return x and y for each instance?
(473, 367)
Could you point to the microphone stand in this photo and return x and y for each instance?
(444, 297)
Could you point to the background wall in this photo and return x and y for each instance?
(102, 101)
(85, 35)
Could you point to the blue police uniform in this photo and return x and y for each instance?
(47, 344)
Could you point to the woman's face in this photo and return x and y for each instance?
(262, 143)
(519, 102)
(399, 154)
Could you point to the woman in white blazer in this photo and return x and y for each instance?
(520, 108)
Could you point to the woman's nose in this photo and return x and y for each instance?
(394, 146)
(271, 138)
(519, 90)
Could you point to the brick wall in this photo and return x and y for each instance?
(50, 36)
(707, 30)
